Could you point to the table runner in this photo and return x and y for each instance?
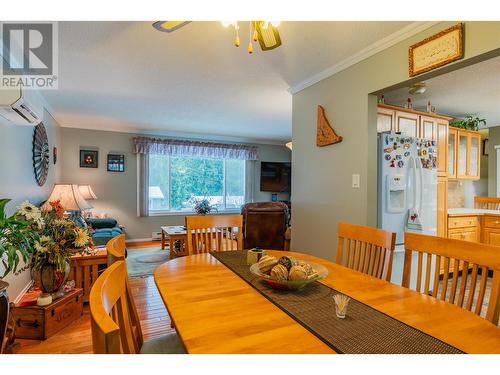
(365, 330)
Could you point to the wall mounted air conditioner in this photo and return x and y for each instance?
(13, 107)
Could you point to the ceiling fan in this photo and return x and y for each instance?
(265, 32)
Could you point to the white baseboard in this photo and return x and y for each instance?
(23, 292)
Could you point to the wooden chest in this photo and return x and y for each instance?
(41, 322)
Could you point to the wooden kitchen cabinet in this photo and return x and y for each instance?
(465, 228)
(452, 152)
(442, 206)
(407, 124)
(442, 146)
(491, 236)
(385, 120)
(474, 145)
(491, 229)
(466, 152)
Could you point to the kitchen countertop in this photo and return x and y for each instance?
(471, 211)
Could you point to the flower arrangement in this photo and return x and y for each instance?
(60, 238)
(39, 238)
(202, 206)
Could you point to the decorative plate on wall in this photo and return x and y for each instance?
(40, 154)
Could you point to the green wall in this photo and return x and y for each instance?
(321, 180)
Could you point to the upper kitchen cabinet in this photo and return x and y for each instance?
(385, 120)
(436, 128)
(452, 152)
(407, 124)
(474, 144)
(464, 154)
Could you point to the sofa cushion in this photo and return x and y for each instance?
(98, 223)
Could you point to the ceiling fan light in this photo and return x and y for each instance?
(269, 38)
(169, 26)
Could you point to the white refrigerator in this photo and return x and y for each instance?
(407, 185)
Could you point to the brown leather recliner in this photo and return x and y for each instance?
(264, 225)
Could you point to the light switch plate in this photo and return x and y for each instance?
(355, 181)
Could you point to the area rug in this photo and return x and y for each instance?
(142, 262)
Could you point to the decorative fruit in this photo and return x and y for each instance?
(285, 261)
(266, 263)
(307, 267)
(279, 272)
(297, 273)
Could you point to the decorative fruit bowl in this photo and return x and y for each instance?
(288, 273)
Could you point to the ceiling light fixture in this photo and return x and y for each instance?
(265, 32)
(417, 88)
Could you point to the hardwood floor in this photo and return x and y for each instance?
(77, 338)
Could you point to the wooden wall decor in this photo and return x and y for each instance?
(437, 50)
(325, 135)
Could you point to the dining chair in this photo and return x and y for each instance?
(445, 256)
(213, 233)
(114, 330)
(487, 203)
(115, 249)
(368, 250)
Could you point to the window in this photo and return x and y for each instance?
(174, 182)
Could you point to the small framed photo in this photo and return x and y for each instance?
(274, 197)
(89, 159)
(116, 163)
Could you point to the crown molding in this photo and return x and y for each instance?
(177, 134)
(384, 43)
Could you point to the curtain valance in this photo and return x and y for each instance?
(173, 147)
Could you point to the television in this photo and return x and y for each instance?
(275, 177)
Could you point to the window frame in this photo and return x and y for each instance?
(170, 212)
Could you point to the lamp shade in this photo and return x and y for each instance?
(69, 196)
(87, 192)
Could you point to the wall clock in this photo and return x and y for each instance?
(40, 154)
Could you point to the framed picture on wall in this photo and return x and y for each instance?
(89, 159)
(116, 163)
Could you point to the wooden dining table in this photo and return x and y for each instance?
(216, 311)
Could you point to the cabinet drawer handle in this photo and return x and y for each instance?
(27, 323)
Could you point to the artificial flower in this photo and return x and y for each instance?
(82, 237)
(29, 211)
(56, 206)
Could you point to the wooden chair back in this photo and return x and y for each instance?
(487, 203)
(213, 233)
(115, 249)
(445, 256)
(367, 250)
(113, 316)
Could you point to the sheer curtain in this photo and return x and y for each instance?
(145, 146)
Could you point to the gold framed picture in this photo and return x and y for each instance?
(437, 50)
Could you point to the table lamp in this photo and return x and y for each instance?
(70, 198)
(87, 192)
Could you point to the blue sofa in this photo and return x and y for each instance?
(104, 230)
